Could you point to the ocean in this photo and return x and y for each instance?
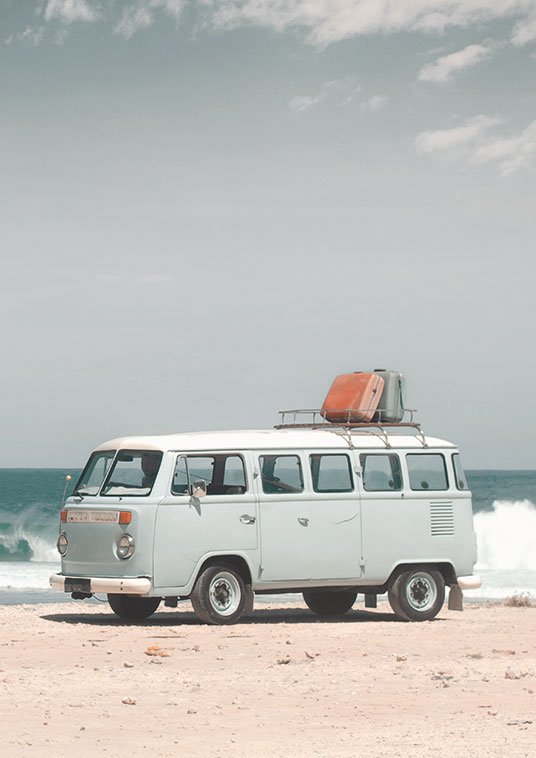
(504, 505)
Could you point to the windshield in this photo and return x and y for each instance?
(94, 473)
(133, 473)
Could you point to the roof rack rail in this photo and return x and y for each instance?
(313, 419)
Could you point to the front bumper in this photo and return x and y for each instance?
(135, 586)
(472, 582)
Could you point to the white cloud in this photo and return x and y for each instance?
(327, 21)
(509, 154)
(321, 21)
(68, 11)
(450, 140)
(33, 36)
(141, 14)
(302, 103)
(334, 89)
(476, 143)
(373, 104)
(525, 30)
(442, 69)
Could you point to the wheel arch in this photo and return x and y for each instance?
(445, 568)
(238, 562)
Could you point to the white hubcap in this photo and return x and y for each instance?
(421, 592)
(224, 593)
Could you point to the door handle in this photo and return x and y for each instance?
(247, 519)
(303, 521)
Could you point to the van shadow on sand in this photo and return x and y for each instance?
(261, 616)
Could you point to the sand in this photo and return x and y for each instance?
(74, 680)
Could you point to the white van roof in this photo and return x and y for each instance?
(276, 439)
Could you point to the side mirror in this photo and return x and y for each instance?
(198, 489)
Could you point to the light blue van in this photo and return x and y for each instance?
(217, 517)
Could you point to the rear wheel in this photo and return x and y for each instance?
(219, 595)
(133, 607)
(417, 594)
(329, 602)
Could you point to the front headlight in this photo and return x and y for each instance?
(125, 546)
(62, 544)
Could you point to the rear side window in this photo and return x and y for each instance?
(427, 471)
(281, 474)
(331, 473)
(461, 481)
(381, 473)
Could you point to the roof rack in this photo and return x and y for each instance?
(313, 419)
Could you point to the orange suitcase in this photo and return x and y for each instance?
(353, 398)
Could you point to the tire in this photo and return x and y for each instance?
(219, 595)
(417, 594)
(133, 607)
(329, 602)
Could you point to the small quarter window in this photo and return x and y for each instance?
(427, 471)
(281, 474)
(331, 473)
(381, 473)
(461, 480)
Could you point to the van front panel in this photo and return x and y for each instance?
(92, 546)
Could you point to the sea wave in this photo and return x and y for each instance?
(28, 536)
(505, 536)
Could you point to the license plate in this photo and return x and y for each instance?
(92, 517)
(77, 585)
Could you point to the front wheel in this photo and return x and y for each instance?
(219, 595)
(417, 594)
(133, 607)
(329, 602)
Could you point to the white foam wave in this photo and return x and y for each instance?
(26, 575)
(506, 536)
(42, 549)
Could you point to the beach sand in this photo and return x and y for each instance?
(75, 681)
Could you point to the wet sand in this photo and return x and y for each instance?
(74, 680)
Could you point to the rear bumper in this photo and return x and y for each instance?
(135, 586)
(472, 582)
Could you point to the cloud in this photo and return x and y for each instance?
(327, 21)
(68, 11)
(442, 69)
(322, 22)
(525, 30)
(334, 89)
(476, 143)
(33, 36)
(509, 154)
(141, 14)
(302, 103)
(450, 140)
(373, 104)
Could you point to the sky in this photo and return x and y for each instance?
(210, 209)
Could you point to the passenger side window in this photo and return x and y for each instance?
(381, 473)
(281, 473)
(221, 474)
(427, 471)
(331, 473)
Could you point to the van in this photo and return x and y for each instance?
(324, 510)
